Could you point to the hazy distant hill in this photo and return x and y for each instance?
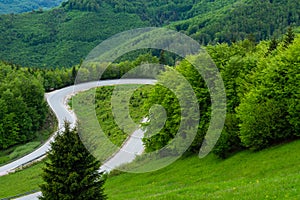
(19, 6)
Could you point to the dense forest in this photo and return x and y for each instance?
(63, 36)
(23, 108)
(58, 38)
(262, 88)
(252, 19)
(19, 6)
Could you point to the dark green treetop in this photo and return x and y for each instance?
(71, 172)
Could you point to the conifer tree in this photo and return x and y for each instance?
(273, 45)
(71, 172)
(289, 37)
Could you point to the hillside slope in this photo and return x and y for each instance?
(269, 174)
(59, 37)
(252, 19)
(63, 36)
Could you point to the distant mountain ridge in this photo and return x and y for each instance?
(64, 35)
(20, 6)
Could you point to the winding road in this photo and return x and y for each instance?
(57, 102)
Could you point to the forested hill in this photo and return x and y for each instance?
(252, 19)
(19, 6)
(59, 37)
(63, 36)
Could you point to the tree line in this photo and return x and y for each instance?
(255, 76)
(22, 89)
(23, 107)
(262, 89)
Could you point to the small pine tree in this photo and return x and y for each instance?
(72, 172)
(74, 73)
(272, 46)
(289, 37)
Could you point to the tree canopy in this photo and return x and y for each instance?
(23, 108)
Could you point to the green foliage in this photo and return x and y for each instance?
(59, 37)
(83, 5)
(158, 13)
(263, 123)
(71, 172)
(106, 117)
(229, 141)
(270, 110)
(156, 139)
(262, 97)
(63, 36)
(289, 37)
(162, 95)
(23, 108)
(18, 151)
(230, 21)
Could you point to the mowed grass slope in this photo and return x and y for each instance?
(22, 181)
(273, 173)
(270, 174)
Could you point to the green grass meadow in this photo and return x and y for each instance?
(21, 182)
(273, 173)
(270, 174)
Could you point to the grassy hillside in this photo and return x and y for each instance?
(270, 174)
(64, 36)
(19, 6)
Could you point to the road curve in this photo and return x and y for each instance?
(57, 102)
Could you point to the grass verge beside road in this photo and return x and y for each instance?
(96, 116)
(21, 181)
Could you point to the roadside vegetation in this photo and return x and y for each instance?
(83, 103)
(23, 107)
(105, 113)
(22, 181)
